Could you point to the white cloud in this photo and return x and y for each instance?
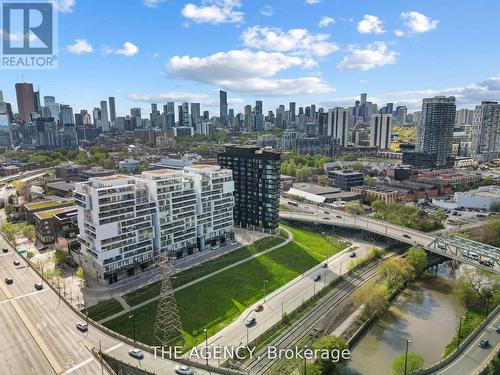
(214, 11)
(312, 1)
(151, 3)
(267, 10)
(326, 21)
(467, 95)
(373, 55)
(399, 33)
(247, 72)
(64, 6)
(128, 49)
(370, 25)
(179, 96)
(296, 41)
(418, 23)
(80, 46)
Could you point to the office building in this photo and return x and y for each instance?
(256, 175)
(435, 131)
(223, 110)
(196, 117)
(170, 115)
(380, 131)
(346, 179)
(258, 116)
(339, 120)
(25, 100)
(486, 131)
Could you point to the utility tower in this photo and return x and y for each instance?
(168, 326)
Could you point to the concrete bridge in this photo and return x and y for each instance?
(466, 251)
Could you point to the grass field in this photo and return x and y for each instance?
(105, 308)
(215, 302)
(150, 291)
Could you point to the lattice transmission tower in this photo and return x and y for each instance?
(168, 326)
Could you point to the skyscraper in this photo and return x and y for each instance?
(259, 116)
(223, 108)
(170, 115)
(196, 117)
(184, 118)
(486, 131)
(112, 108)
(25, 100)
(380, 131)
(339, 120)
(435, 132)
(104, 116)
(291, 111)
(248, 118)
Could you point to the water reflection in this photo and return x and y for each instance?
(426, 312)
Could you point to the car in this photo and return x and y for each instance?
(234, 243)
(5, 250)
(338, 217)
(136, 353)
(497, 329)
(215, 247)
(38, 286)
(16, 262)
(258, 308)
(8, 280)
(327, 212)
(326, 218)
(324, 265)
(317, 277)
(183, 370)
(407, 236)
(250, 321)
(485, 344)
(353, 254)
(82, 326)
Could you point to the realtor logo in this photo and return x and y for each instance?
(28, 35)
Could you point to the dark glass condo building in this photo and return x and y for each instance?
(256, 175)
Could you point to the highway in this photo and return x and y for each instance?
(410, 236)
(474, 356)
(38, 334)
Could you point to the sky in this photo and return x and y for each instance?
(323, 52)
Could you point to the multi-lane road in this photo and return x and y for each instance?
(38, 333)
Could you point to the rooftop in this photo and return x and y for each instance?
(49, 213)
(47, 204)
(315, 189)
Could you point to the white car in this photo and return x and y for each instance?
(82, 326)
(234, 243)
(183, 370)
(136, 353)
(215, 247)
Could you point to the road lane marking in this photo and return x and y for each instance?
(23, 296)
(88, 360)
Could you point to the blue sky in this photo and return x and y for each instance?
(324, 52)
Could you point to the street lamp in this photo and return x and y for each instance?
(133, 325)
(408, 342)
(206, 344)
(459, 330)
(265, 282)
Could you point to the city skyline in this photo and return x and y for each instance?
(330, 53)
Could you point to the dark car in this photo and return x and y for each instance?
(338, 217)
(353, 254)
(16, 262)
(326, 218)
(497, 329)
(324, 265)
(485, 344)
(250, 321)
(38, 286)
(5, 250)
(317, 277)
(8, 280)
(258, 308)
(407, 236)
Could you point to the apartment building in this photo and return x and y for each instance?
(125, 221)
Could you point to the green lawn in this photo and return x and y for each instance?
(105, 308)
(215, 302)
(470, 323)
(323, 245)
(150, 291)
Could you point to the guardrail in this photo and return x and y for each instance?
(465, 345)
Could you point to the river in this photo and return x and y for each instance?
(427, 313)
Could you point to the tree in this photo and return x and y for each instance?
(80, 273)
(377, 205)
(59, 257)
(396, 272)
(354, 208)
(330, 344)
(414, 363)
(9, 210)
(476, 286)
(357, 166)
(373, 296)
(370, 181)
(29, 232)
(417, 258)
(303, 174)
(21, 187)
